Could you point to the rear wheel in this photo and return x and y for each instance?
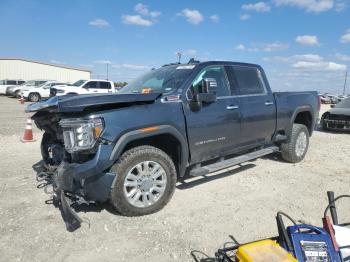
(145, 182)
(294, 150)
(34, 97)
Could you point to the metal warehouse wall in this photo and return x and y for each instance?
(27, 70)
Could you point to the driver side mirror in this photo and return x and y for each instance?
(208, 92)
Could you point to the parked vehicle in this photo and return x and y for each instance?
(17, 90)
(131, 147)
(324, 99)
(36, 93)
(334, 98)
(91, 86)
(7, 82)
(338, 117)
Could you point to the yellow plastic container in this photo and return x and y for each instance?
(263, 251)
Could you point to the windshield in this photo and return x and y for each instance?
(344, 103)
(162, 80)
(29, 83)
(79, 83)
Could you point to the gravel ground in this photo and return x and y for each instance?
(200, 216)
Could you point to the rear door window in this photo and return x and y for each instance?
(105, 85)
(11, 82)
(249, 80)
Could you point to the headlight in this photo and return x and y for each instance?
(60, 91)
(81, 134)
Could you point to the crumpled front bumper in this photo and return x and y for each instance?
(337, 124)
(90, 179)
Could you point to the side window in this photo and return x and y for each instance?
(249, 80)
(216, 72)
(37, 83)
(105, 85)
(91, 84)
(21, 82)
(11, 82)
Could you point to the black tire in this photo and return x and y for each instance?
(289, 149)
(34, 97)
(18, 94)
(323, 123)
(127, 161)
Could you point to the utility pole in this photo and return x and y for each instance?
(346, 76)
(179, 54)
(107, 70)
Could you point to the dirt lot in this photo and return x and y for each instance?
(201, 215)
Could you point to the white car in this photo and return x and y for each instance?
(17, 90)
(36, 93)
(7, 82)
(80, 87)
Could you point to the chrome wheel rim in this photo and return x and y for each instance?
(300, 146)
(145, 184)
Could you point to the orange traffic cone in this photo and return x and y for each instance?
(28, 132)
(21, 100)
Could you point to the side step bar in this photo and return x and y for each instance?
(204, 170)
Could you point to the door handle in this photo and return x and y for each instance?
(268, 103)
(232, 107)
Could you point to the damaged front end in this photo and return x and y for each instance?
(76, 157)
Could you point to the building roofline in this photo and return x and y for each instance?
(46, 63)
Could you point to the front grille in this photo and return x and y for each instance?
(338, 117)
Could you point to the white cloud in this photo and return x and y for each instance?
(102, 62)
(136, 20)
(346, 37)
(190, 52)
(99, 23)
(131, 66)
(315, 6)
(257, 7)
(192, 16)
(319, 66)
(276, 46)
(342, 57)
(308, 40)
(214, 18)
(244, 17)
(340, 6)
(143, 10)
(269, 47)
(240, 47)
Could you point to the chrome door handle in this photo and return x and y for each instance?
(268, 103)
(232, 107)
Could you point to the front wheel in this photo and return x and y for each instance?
(145, 182)
(294, 150)
(34, 97)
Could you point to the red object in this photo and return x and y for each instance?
(327, 225)
(28, 132)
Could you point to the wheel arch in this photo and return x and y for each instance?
(303, 115)
(37, 93)
(165, 137)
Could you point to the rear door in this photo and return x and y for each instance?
(105, 87)
(213, 129)
(257, 107)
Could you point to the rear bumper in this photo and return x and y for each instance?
(91, 180)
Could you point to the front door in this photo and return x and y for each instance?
(214, 128)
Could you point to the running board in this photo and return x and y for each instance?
(204, 170)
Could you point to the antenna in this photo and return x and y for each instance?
(346, 76)
(179, 55)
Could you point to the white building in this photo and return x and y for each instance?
(16, 68)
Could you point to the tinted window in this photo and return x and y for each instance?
(21, 82)
(37, 83)
(91, 84)
(105, 85)
(217, 73)
(249, 80)
(11, 82)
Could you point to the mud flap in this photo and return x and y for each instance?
(70, 218)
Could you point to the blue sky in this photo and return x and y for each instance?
(302, 44)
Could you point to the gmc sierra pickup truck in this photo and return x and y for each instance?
(182, 119)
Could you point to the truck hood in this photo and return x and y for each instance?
(79, 103)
